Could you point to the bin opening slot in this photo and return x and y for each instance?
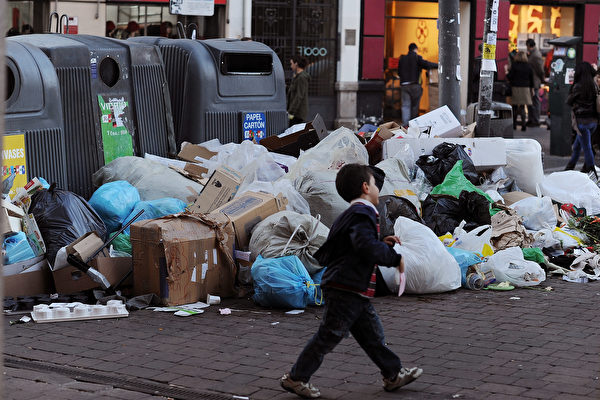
(246, 64)
(10, 82)
(109, 72)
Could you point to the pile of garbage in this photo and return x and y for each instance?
(238, 219)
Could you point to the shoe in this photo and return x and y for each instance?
(533, 124)
(523, 128)
(302, 389)
(404, 377)
(570, 166)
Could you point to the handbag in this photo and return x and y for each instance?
(597, 100)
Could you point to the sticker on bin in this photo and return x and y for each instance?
(254, 126)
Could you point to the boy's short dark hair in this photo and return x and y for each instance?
(350, 178)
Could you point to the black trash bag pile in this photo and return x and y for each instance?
(62, 217)
(442, 159)
(392, 207)
(443, 213)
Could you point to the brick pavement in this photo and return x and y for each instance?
(471, 344)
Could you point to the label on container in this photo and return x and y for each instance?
(114, 119)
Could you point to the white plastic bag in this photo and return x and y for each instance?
(509, 265)
(545, 238)
(572, 187)
(524, 163)
(537, 212)
(295, 201)
(339, 148)
(478, 240)
(397, 182)
(429, 267)
(318, 189)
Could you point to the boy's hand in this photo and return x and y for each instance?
(391, 240)
(401, 266)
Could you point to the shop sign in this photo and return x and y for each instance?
(192, 7)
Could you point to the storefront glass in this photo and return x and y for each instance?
(19, 15)
(409, 22)
(541, 23)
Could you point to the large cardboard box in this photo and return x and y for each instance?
(27, 278)
(304, 139)
(220, 188)
(69, 279)
(248, 210)
(486, 153)
(442, 122)
(183, 258)
(195, 153)
(85, 246)
(384, 132)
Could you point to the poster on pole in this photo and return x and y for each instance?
(494, 16)
(192, 7)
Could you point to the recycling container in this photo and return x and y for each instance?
(501, 123)
(223, 88)
(114, 101)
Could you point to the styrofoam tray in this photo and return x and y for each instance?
(58, 312)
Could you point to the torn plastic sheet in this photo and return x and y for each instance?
(184, 310)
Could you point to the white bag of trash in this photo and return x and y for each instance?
(572, 187)
(537, 212)
(288, 233)
(429, 267)
(151, 179)
(332, 153)
(524, 163)
(295, 201)
(318, 189)
(509, 265)
(397, 182)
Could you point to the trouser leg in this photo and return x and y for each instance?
(534, 109)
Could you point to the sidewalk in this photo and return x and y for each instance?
(521, 344)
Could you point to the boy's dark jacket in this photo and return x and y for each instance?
(353, 248)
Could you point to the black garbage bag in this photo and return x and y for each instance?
(390, 208)
(443, 213)
(442, 159)
(62, 217)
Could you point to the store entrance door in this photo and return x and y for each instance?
(307, 28)
(409, 22)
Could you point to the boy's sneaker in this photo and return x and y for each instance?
(404, 377)
(302, 389)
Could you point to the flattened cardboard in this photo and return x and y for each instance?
(34, 235)
(384, 132)
(220, 188)
(71, 280)
(291, 144)
(183, 258)
(194, 153)
(12, 210)
(248, 210)
(9, 223)
(39, 281)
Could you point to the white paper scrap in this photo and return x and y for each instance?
(193, 279)
(294, 312)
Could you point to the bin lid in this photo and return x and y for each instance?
(565, 41)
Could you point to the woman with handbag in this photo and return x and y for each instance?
(520, 78)
(583, 99)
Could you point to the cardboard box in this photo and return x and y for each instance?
(384, 132)
(183, 258)
(486, 153)
(13, 210)
(442, 122)
(34, 278)
(195, 153)
(291, 144)
(69, 279)
(220, 188)
(9, 223)
(85, 246)
(248, 210)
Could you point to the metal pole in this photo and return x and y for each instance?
(488, 67)
(2, 103)
(449, 48)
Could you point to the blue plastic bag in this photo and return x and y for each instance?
(465, 259)
(113, 202)
(155, 209)
(282, 282)
(17, 248)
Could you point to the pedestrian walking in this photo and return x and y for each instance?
(536, 61)
(409, 70)
(297, 94)
(351, 253)
(520, 78)
(582, 99)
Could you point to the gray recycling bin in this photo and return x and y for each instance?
(501, 124)
(113, 97)
(223, 88)
(33, 119)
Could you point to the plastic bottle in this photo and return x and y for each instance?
(474, 281)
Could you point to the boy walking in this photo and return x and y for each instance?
(350, 253)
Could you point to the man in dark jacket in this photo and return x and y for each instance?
(297, 94)
(409, 70)
(350, 253)
(535, 60)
